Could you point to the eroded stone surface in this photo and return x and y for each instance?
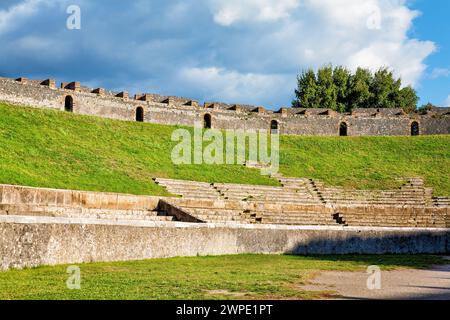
(154, 108)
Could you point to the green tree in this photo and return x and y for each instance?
(306, 93)
(338, 89)
(326, 90)
(408, 99)
(359, 89)
(341, 79)
(385, 89)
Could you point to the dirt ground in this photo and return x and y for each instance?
(430, 284)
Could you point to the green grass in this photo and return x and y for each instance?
(369, 162)
(45, 148)
(256, 276)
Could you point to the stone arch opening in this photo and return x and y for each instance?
(140, 114)
(207, 121)
(274, 127)
(343, 129)
(415, 129)
(68, 104)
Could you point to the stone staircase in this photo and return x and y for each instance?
(239, 192)
(255, 212)
(441, 202)
(308, 202)
(412, 217)
(190, 189)
(412, 193)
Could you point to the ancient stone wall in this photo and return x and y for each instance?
(185, 111)
(30, 242)
(18, 195)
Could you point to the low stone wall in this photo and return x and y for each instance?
(29, 242)
(19, 195)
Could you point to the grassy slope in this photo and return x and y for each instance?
(47, 148)
(369, 162)
(260, 276)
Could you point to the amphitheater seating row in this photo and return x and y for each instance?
(420, 217)
(307, 202)
(200, 190)
(231, 211)
(85, 213)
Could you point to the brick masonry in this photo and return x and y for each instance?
(184, 111)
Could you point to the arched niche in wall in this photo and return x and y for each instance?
(343, 129)
(207, 121)
(415, 129)
(274, 127)
(140, 114)
(68, 104)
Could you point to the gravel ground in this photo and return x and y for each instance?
(430, 284)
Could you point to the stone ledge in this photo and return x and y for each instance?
(139, 223)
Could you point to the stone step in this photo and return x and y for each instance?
(305, 220)
(80, 210)
(96, 216)
(189, 189)
(399, 225)
(284, 221)
(74, 212)
(371, 194)
(394, 202)
(181, 182)
(350, 219)
(231, 187)
(374, 198)
(268, 192)
(201, 197)
(211, 219)
(270, 198)
(196, 193)
(209, 211)
(292, 202)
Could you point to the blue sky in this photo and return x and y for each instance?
(236, 51)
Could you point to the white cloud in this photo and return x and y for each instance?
(229, 12)
(440, 72)
(369, 33)
(239, 51)
(218, 83)
(12, 16)
(447, 102)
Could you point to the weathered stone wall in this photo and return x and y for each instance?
(29, 242)
(18, 195)
(371, 215)
(183, 111)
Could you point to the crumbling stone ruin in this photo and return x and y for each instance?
(153, 108)
(302, 216)
(48, 226)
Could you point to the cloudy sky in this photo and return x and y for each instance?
(237, 51)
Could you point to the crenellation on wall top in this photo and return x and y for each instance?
(175, 102)
(124, 95)
(74, 86)
(100, 91)
(22, 80)
(51, 83)
(192, 103)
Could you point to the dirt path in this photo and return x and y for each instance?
(431, 284)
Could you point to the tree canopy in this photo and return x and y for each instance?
(341, 90)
